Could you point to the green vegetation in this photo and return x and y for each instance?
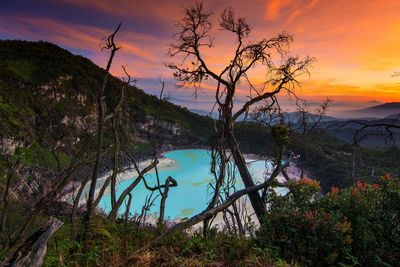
(114, 244)
(357, 226)
(330, 161)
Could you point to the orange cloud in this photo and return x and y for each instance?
(320, 89)
(275, 8)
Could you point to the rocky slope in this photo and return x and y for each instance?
(48, 103)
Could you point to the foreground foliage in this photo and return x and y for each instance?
(359, 225)
(115, 243)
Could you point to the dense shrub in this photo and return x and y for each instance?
(359, 225)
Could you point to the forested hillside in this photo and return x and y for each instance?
(38, 76)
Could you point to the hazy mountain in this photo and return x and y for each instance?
(393, 116)
(293, 117)
(345, 130)
(388, 106)
(289, 116)
(201, 112)
(374, 112)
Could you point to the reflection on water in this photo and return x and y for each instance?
(206, 180)
(186, 212)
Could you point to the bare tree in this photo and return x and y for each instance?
(366, 130)
(148, 203)
(128, 207)
(194, 34)
(33, 250)
(384, 129)
(169, 182)
(305, 124)
(77, 197)
(109, 45)
(114, 211)
(161, 188)
(219, 163)
(115, 126)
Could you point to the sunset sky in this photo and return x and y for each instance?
(356, 43)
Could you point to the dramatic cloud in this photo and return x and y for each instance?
(291, 8)
(356, 43)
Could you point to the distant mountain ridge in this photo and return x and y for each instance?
(204, 113)
(345, 130)
(289, 116)
(393, 116)
(374, 112)
(391, 105)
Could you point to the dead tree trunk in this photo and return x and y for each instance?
(114, 126)
(238, 220)
(115, 161)
(33, 250)
(218, 168)
(102, 191)
(128, 207)
(114, 212)
(100, 125)
(41, 204)
(5, 196)
(169, 182)
(78, 197)
(255, 198)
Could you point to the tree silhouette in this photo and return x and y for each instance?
(270, 54)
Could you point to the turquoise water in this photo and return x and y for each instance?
(192, 173)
